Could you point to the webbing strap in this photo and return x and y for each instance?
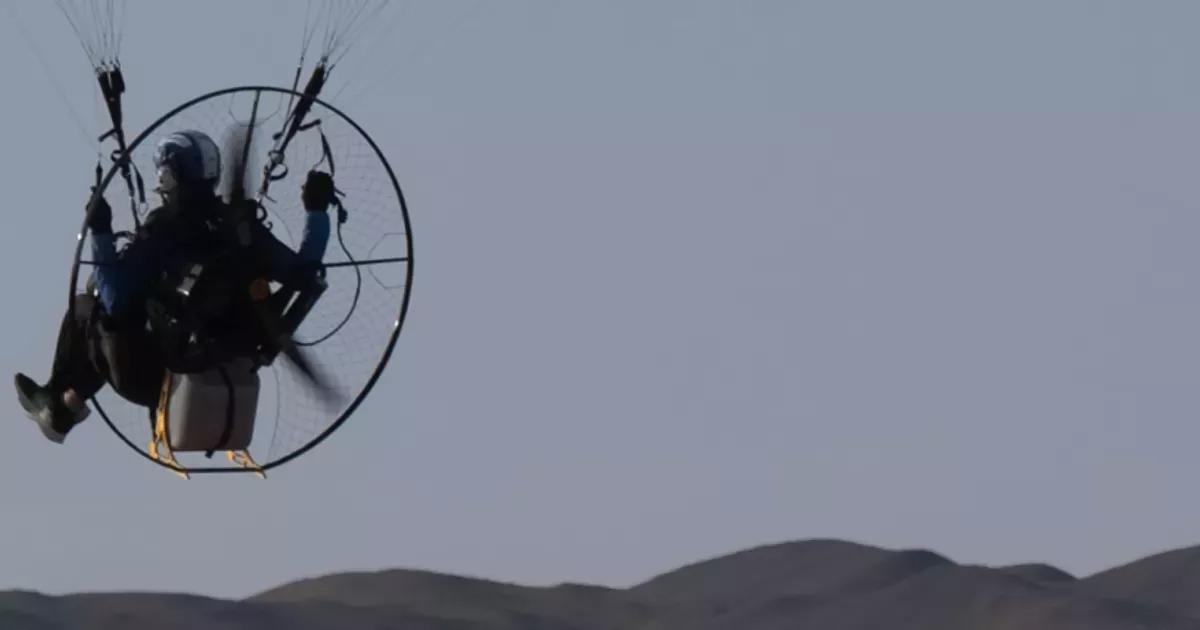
(112, 86)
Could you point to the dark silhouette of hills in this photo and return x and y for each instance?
(825, 584)
(1037, 572)
(1168, 580)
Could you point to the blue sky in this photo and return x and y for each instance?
(692, 276)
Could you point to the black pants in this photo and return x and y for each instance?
(93, 351)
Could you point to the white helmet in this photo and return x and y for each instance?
(188, 159)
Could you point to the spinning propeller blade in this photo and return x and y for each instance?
(286, 345)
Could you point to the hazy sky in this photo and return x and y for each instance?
(692, 276)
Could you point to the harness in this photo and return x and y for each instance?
(201, 313)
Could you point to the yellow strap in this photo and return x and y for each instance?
(243, 459)
(161, 433)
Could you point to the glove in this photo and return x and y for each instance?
(317, 192)
(99, 219)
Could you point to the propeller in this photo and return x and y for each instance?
(244, 210)
(284, 343)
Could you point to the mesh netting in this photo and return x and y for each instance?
(350, 332)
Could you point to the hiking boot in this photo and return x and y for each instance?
(47, 409)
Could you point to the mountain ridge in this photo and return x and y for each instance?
(820, 582)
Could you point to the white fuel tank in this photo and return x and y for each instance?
(198, 410)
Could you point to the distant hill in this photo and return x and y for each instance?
(491, 604)
(1168, 580)
(1038, 573)
(826, 584)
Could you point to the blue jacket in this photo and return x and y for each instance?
(124, 280)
